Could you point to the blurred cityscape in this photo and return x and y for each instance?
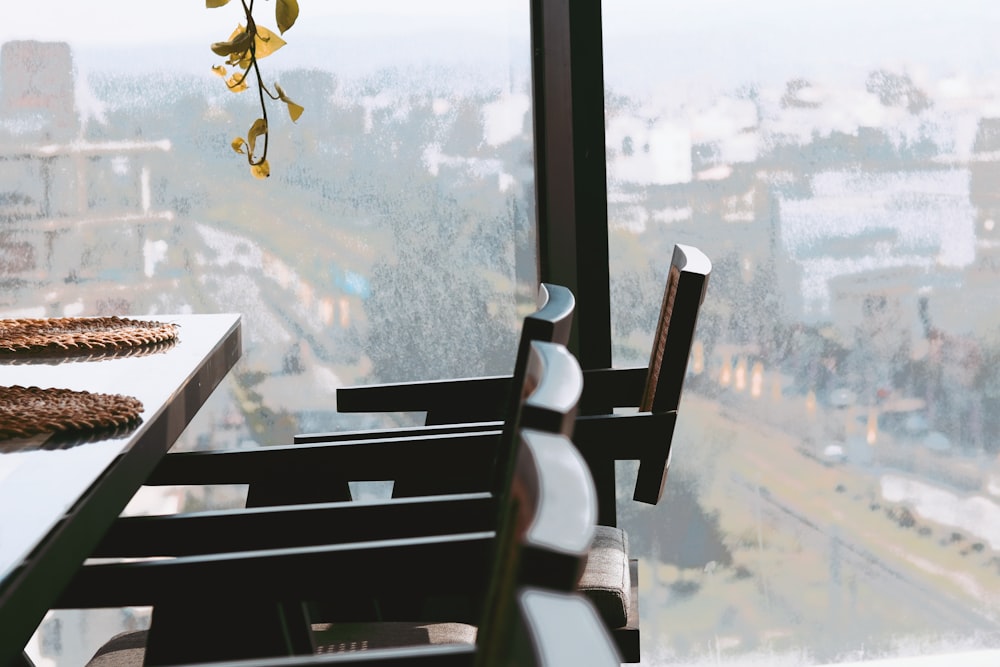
(834, 492)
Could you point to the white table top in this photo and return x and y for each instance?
(58, 497)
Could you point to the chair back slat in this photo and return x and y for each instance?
(559, 630)
(551, 322)
(551, 389)
(563, 507)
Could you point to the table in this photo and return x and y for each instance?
(55, 504)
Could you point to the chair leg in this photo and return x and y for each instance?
(627, 638)
(603, 472)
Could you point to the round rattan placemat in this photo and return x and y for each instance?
(28, 411)
(88, 337)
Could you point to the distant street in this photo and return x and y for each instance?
(827, 564)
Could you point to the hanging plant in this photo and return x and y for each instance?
(242, 51)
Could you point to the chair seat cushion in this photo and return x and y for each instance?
(123, 650)
(128, 648)
(606, 580)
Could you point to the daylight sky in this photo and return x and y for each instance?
(153, 21)
(674, 39)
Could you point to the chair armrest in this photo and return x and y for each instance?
(623, 387)
(403, 432)
(444, 401)
(295, 526)
(358, 460)
(450, 564)
(613, 387)
(644, 437)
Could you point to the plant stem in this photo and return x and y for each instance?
(252, 31)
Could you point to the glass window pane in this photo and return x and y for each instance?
(834, 490)
(393, 240)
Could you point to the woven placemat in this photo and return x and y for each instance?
(88, 337)
(28, 411)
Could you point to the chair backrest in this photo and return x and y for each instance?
(687, 282)
(551, 322)
(656, 390)
(545, 497)
(533, 615)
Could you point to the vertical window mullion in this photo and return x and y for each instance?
(570, 165)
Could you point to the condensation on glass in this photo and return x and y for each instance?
(835, 487)
(393, 241)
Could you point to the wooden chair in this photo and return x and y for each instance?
(644, 436)
(547, 403)
(547, 505)
(292, 474)
(652, 389)
(611, 579)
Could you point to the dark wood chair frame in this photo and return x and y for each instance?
(311, 472)
(283, 569)
(655, 390)
(603, 439)
(549, 407)
(644, 436)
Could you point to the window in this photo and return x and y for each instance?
(398, 216)
(834, 491)
(833, 494)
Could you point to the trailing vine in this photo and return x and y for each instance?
(248, 44)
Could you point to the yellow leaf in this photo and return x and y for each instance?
(285, 13)
(241, 39)
(238, 43)
(241, 60)
(237, 145)
(212, 4)
(220, 70)
(267, 42)
(262, 170)
(258, 128)
(237, 82)
(222, 48)
(294, 110)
